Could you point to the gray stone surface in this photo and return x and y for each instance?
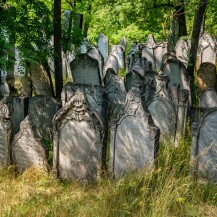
(111, 65)
(19, 110)
(5, 90)
(85, 70)
(123, 43)
(95, 54)
(207, 49)
(102, 44)
(19, 66)
(182, 50)
(134, 138)
(162, 109)
(208, 98)
(154, 52)
(41, 112)
(40, 80)
(206, 76)
(177, 73)
(78, 135)
(204, 146)
(25, 88)
(28, 149)
(5, 135)
(94, 94)
(118, 51)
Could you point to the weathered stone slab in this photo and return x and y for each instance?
(177, 73)
(134, 138)
(206, 76)
(19, 110)
(123, 43)
(40, 80)
(19, 66)
(204, 146)
(154, 52)
(162, 109)
(111, 65)
(25, 87)
(207, 49)
(102, 44)
(95, 54)
(41, 112)
(78, 137)
(5, 90)
(118, 51)
(182, 50)
(28, 149)
(85, 70)
(208, 98)
(94, 94)
(5, 135)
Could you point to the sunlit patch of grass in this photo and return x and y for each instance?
(166, 190)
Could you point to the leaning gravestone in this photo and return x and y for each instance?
(28, 149)
(134, 137)
(182, 50)
(95, 54)
(154, 52)
(118, 51)
(19, 110)
(102, 44)
(5, 135)
(207, 49)
(162, 109)
(41, 112)
(85, 70)
(177, 73)
(78, 137)
(208, 98)
(206, 76)
(204, 146)
(40, 80)
(111, 64)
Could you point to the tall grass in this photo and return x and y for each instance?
(167, 190)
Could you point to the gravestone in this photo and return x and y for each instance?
(118, 51)
(85, 70)
(102, 44)
(206, 76)
(204, 146)
(5, 135)
(94, 94)
(123, 43)
(5, 90)
(162, 109)
(25, 87)
(177, 73)
(19, 66)
(208, 98)
(182, 50)
(40, 80)
(95, 54)
(154, 52)
(28, 149)
(78, 138)
(207, 49)
(19, 109)
(130, 57)
(111, 65)
(134, 137)
(41, 112)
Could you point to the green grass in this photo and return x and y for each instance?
(167, 190)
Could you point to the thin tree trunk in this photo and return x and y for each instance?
(180, 9)
(198, 20)
(57, 49)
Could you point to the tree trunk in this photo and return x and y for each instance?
(180, 10)
(198, 20)
(57, 48)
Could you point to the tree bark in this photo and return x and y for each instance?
(180, 10)
(57, 49)
(198, 20)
